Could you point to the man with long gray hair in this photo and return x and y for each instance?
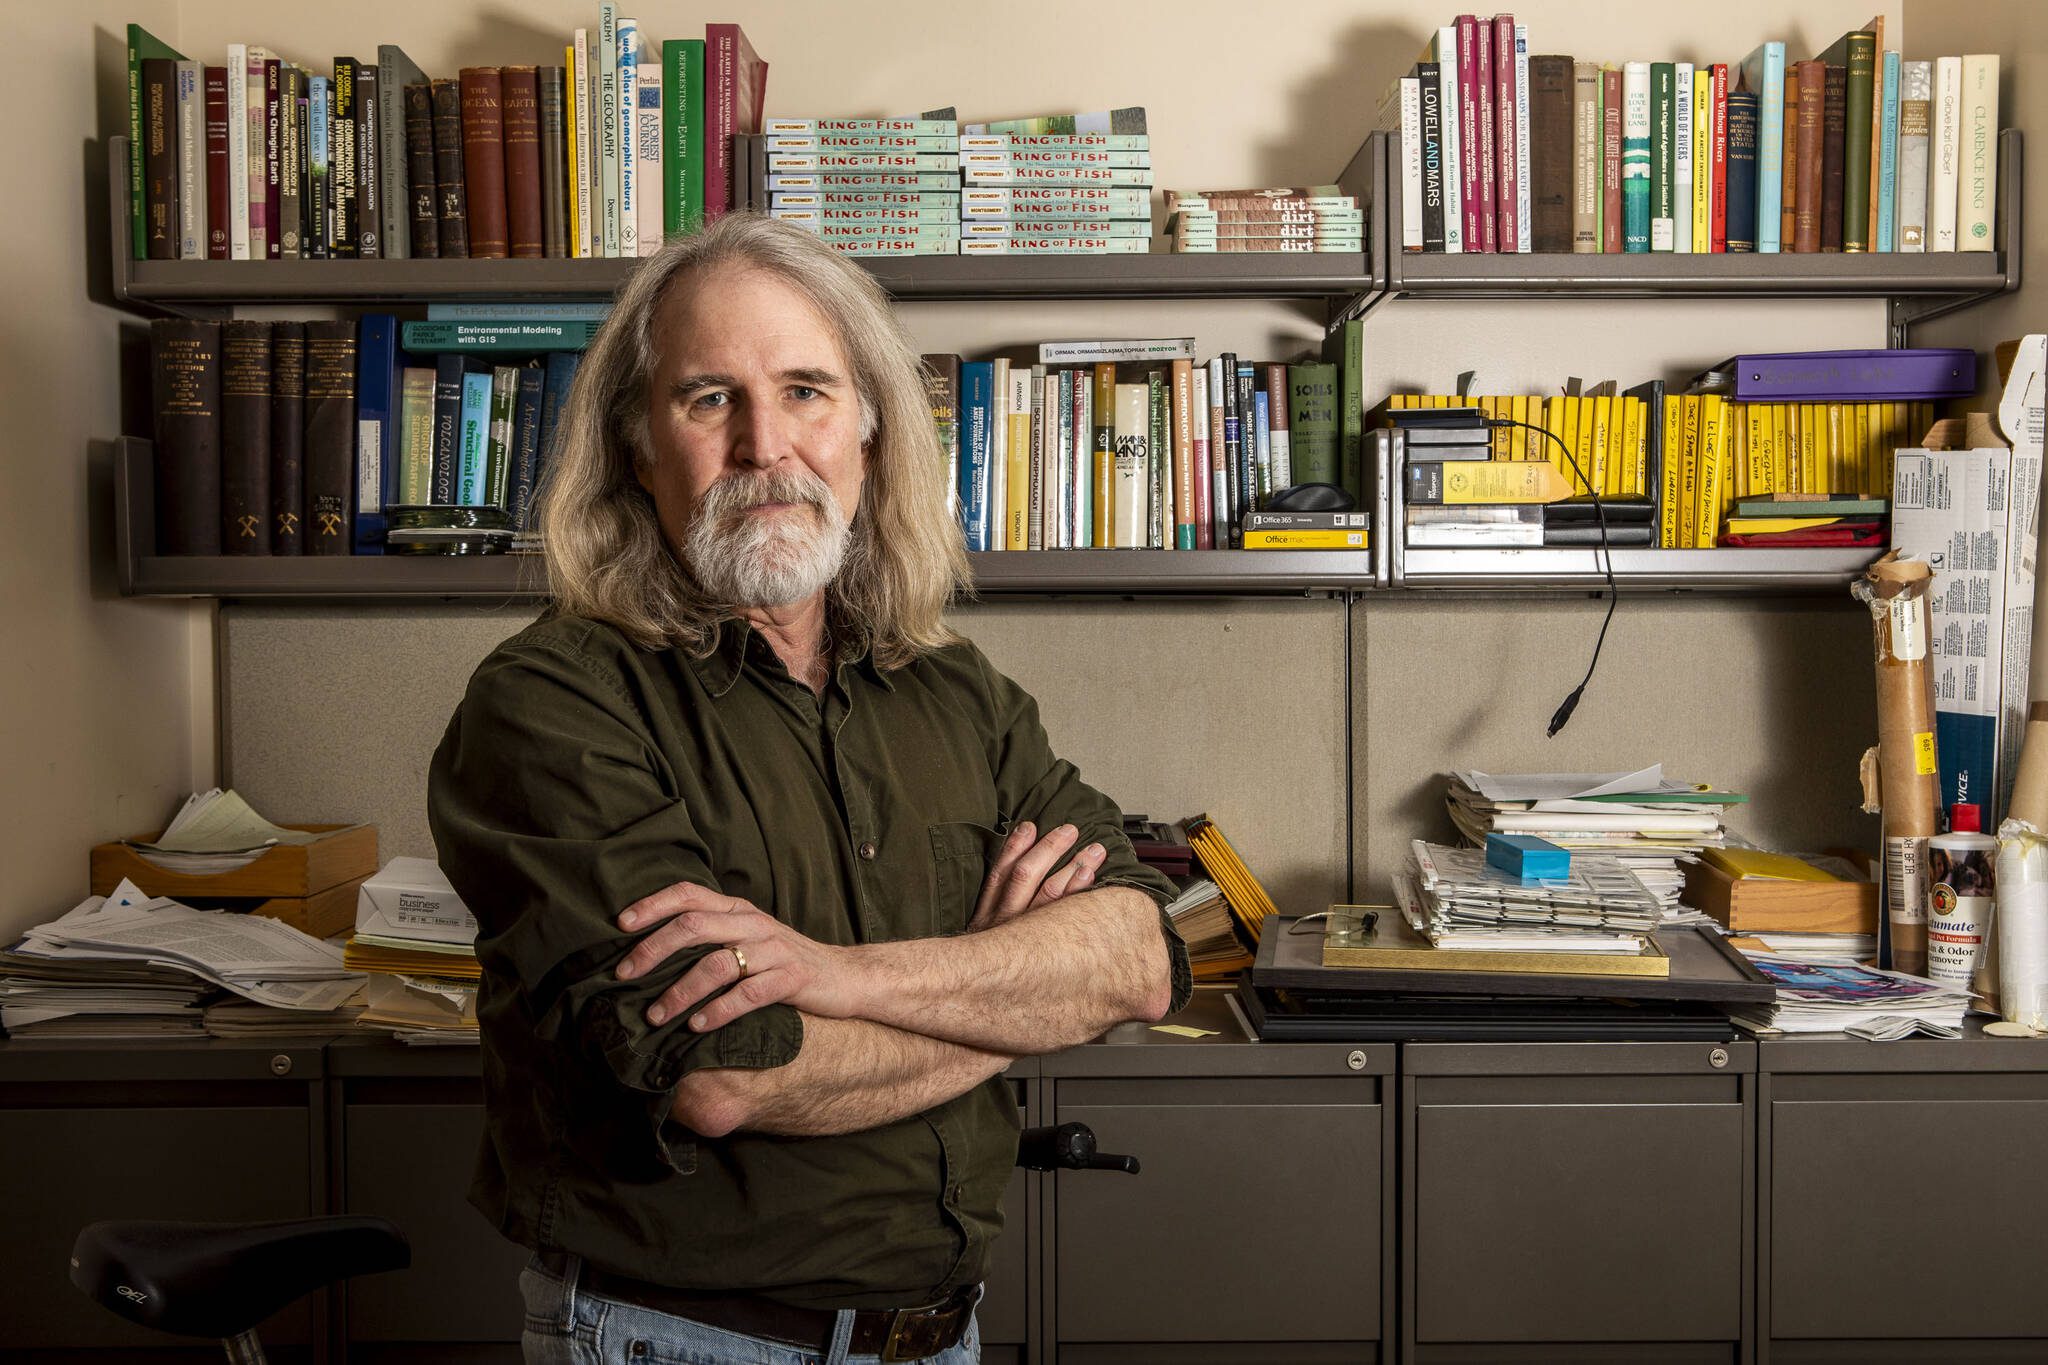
(775, 873)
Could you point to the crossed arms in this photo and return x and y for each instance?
(890, 1029)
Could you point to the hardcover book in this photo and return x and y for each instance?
(287, 438)
(185, 370)
(483, 161)
(520, 91)
(330, 436)
(245, 398)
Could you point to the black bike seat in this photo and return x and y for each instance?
(221, 1279)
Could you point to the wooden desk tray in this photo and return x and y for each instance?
(348, 853)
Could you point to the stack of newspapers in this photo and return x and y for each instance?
(1638, 819)
(1455, 900)
(1830, 997)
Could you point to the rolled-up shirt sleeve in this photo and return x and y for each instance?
(552, 811)
(1032, 783)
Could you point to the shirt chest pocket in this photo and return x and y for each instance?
(962, 853)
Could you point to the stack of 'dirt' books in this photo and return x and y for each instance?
(417, 941)
(1319, 218)
(1062, 184)
(867, 186)
(1651, 826)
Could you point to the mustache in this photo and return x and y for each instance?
(736, 493)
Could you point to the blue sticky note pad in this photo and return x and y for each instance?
(1527, 857)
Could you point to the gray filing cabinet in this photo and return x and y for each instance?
(1259, 1226)
(1904, 1200)
(1576, 1201)
(208, 1131)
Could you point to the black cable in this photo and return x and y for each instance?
(1563, 714)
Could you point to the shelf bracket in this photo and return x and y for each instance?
(1902, 312)
(1358, 306)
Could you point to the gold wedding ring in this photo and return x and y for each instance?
(739, 957)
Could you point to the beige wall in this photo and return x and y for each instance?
(108, 715)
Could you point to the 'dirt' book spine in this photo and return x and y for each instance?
(245, 437)
(185, 394)
(483, 160)
(419, 161)
(287, 438)
(330, 435)
(449, 173)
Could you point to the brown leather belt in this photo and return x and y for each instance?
(893, 1334)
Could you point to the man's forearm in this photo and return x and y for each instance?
(1042, 982)
(849, 1076)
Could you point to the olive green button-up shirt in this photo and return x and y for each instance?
(581, 773)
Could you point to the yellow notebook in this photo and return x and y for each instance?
(1755, 862)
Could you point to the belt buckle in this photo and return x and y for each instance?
(894, 1339)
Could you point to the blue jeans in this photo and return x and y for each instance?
(565, 1325)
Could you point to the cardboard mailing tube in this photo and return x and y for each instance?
(1896, 592)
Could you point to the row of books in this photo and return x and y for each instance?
(261, 158)
(1312, 218)
(286, 438)
(1607, 435)
(1855, 150)
(1137, 445)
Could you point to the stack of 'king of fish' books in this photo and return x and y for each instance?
(1065, 184)
(1638, 820)
(867, 186)
(1302, 218)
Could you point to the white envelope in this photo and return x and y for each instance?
(411, 898)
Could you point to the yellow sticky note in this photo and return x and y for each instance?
(1183, 1031)
(1923, 754)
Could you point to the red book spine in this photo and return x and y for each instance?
(1506, 138)
(1489, 165)
(721, 64)
(483, 160)
(522, 160)
(216, 163)
(1205, 536)
(1468, 128)
(1610, 160)
(1717, 210)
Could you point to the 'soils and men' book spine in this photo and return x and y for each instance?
(342, 221)
(1313, 435)
(520, 125)
(291, 224)
(483, 161)
(1586, 138)
(1916, 95)
(330, 435)
(1741, 217)
(1977, 174)
(185, 396)
(191, 143)
(554, 201)
(217, 200)
(158, 151)
(449, 175)
(245, 398)
(287, 438)
(1610, 160)
(1834, 134)
(425, 239)
(369, 166)
(396, 72)
(1553, 152)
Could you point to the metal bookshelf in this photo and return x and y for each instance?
(208, 287)
(509, 579)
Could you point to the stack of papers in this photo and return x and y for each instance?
(153, 960)
(1830, 997)
(1649, 824)
(215, 831)
(1203, 919)
(418, 942)
(1459, 901)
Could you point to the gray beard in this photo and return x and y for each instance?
(742, 560)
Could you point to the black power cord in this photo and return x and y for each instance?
(1563, 714)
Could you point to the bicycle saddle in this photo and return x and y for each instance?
(221, 1279)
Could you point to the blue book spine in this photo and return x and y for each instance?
(561, 374)
(448, 372)
(1888, 154)
(475, 429)
(1262, 428)
(1764, 72)
(526, 404)
(977, 403)
(1635, 156)
(1966, 748)
(377, 366)
(317, 105)
(518, 312)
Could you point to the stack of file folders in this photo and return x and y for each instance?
(417, 941)
(1649, 825)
